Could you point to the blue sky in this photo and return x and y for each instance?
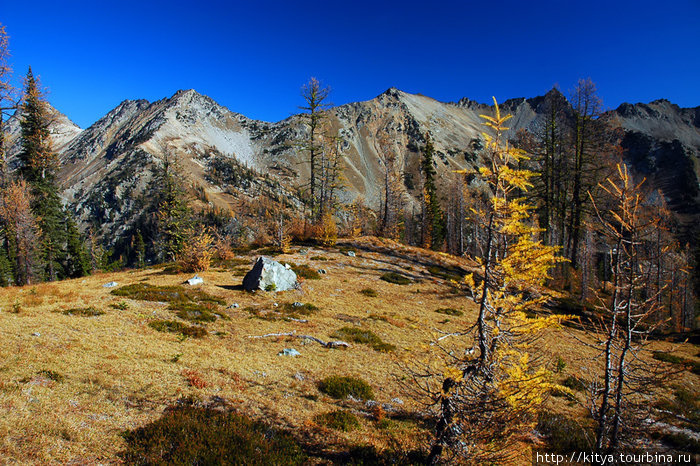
(253, 57)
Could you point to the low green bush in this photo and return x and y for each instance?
(369, 292)
(449, 311)
(365, 337)
(83, 311)
(192, 435)
(342, 387)
(304, 271)
(563, 434)
(338, 420)
(168, 294)
(173, 326)
(574, 383)
(396, 278)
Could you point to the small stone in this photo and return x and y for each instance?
(288, 352)
(109, 285)
(234, 306)
(36, 334)
(322, 271)
(299, 376)
(387, 407)
(303, 251)
(351, 253)
(297, 304)
(196, 280)
(275, 304)
(371, 403)
(397, 401)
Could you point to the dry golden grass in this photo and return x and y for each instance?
(118, 373)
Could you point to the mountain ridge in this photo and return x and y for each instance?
(109, 164)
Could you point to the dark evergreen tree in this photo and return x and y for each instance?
(433, 217)
(170, 214)
(140, 247)
(77, 257)
(62, 253)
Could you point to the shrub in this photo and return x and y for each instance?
(692, 366)
(396, 278)
(449, 311)
(193, 435)
(369, 292)
(338, 420)
(559, 365)
(680, 441)
(51, 375)
(120, 306)
(197, 251)
(366, 337)
(446, 273)
(304, 271)
(563, 434)
(173, 326)
(193, 311)
(304, 309)
(169, 294)
(574, 383)
(665, 357)
(83, 311)
(342, 387)
(194, 378)
(328, 230)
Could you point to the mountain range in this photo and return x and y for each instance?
(106, 167)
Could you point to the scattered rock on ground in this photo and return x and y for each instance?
(269, 275)
(234, 306)
(289, 352)
(322, 271)
(351, 253)
(109, 285)
(196, 280)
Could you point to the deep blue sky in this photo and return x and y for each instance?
(253, 57)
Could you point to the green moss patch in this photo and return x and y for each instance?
(365, 337)
(342, 387)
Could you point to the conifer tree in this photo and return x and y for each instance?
(39, 163)
(433, 218)
(170, 211)
(488, 390)
(315, 96)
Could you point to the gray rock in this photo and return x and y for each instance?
(196, 280)
(297, 304)
(234, 306)
(397, 401)
(36, 334)
(322, 271)
(351, 253)
(289, 352)
(269, 275)
(109, 285)
(299, 376)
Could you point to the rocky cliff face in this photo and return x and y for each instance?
(662, 143)
(105, 168)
